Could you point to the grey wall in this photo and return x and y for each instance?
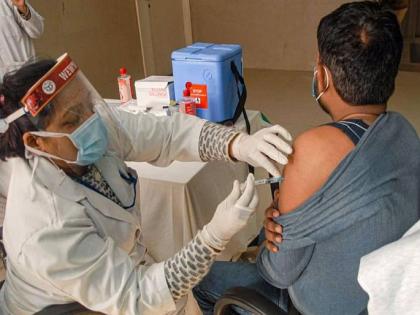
(275, 34)
(100, 35)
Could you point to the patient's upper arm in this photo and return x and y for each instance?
(317, 152)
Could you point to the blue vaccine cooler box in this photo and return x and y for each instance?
(214, 76)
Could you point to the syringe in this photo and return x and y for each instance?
(271, 180)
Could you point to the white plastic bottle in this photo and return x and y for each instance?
(125, 86)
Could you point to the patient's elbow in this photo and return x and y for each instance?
(284, 268)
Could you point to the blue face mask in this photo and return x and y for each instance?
(91, 140)
(314, 87)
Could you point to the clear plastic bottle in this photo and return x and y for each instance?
(125, 86)
(187, 104)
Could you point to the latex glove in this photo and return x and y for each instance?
(232, 214)
(263, 149)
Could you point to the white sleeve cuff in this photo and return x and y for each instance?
(159, 300)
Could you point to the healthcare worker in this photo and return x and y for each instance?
(19, 25)
(72, 230)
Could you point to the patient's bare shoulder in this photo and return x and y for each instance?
(317, 152)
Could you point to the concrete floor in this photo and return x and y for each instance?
(285, 97)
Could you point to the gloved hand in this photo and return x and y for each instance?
(263, 148)
(232, 214)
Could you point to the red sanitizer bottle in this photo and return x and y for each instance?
(187, 104)
(125, 86)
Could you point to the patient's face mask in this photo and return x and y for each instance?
(69, 114)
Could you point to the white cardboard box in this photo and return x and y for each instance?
(155, 90)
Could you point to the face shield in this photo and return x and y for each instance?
(74, 123)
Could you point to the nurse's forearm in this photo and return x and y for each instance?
(186, 269)
(214, 142)
(32, 23)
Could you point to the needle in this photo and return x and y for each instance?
(271, 180)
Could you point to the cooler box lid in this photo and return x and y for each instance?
(207, 52)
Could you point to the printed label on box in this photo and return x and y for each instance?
(199, 93)
(156, 92)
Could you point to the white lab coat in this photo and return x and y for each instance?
(67, 243)
(5, 171)
(16, 36)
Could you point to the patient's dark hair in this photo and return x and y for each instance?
(14, 87)
(361, 44)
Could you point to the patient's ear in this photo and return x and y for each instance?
(321, 77)
(33, 141)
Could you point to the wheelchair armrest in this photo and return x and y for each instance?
(246, 299)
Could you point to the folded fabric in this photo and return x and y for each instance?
(369, 200)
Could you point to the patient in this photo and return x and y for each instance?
(351, 186)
